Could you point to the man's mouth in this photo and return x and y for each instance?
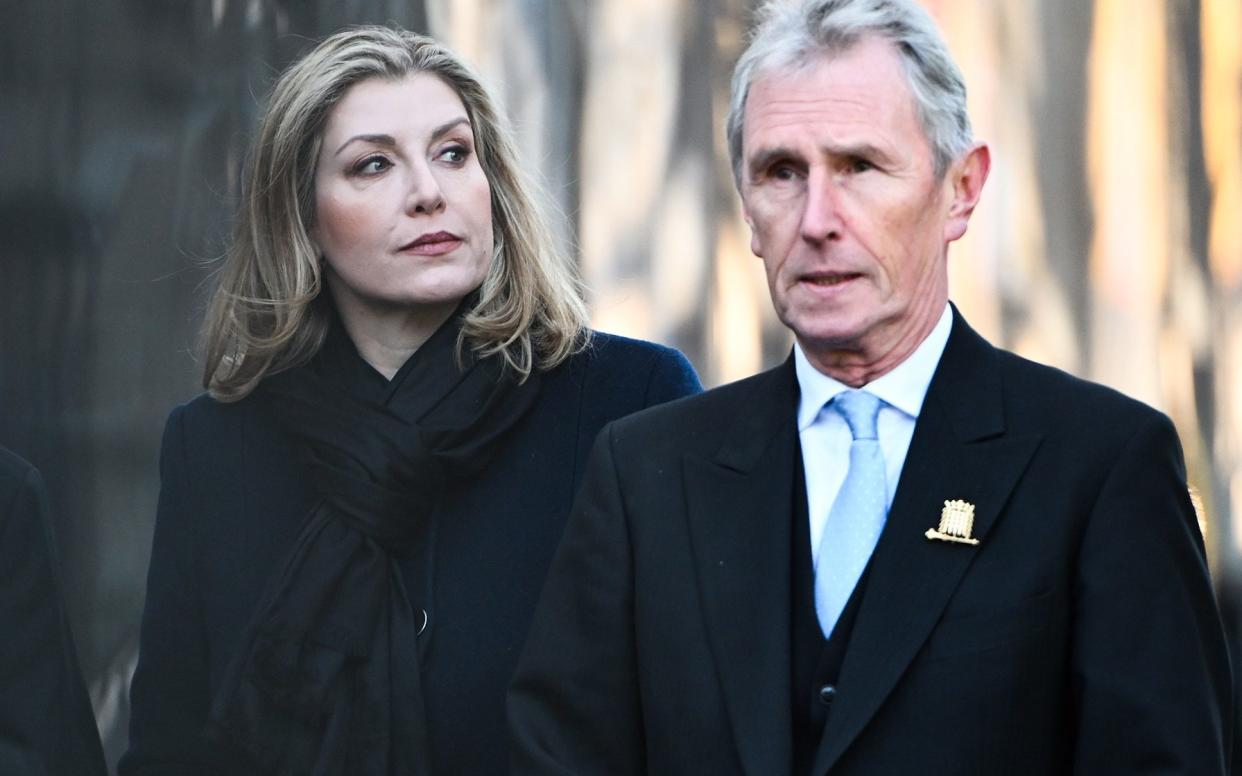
(829, 279)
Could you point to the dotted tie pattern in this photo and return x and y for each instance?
(858, 514)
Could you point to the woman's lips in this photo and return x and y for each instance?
(433, 244)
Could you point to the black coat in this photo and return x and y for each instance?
(46, 723)
(234, 496)
(1079, 636)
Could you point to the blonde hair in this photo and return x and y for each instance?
(268, 313)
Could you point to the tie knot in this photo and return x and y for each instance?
(859, 409)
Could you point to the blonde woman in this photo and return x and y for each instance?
(355, 522)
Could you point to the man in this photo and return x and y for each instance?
(903, 551)
(46, 723)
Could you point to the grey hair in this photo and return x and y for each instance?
(793, 34)
(268, 315)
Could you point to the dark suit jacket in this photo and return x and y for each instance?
(232, 501)
(46, 723)
(1079, 636)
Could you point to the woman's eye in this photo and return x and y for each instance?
(455, 154)
(372, 165)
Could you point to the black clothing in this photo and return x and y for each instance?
(235, 497)
(1079, 636)
(46, 723)
(334, 640)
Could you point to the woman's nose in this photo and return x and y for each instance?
(425, 195)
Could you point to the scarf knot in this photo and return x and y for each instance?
(327, 680)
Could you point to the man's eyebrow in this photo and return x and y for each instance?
(858, 151)
(390, 141)
(767, 156)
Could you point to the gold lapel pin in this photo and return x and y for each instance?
(957, 520)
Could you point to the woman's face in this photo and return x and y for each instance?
(403, 212)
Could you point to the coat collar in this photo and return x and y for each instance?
(739, 502)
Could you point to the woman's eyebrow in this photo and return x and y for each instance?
(384, 140)
(448, 126)
(390, 141)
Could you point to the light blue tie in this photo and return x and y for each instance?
(858, 514)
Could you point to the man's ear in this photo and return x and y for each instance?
(750, 222)
(965, 179)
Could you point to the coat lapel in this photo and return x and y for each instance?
(959, 451)
(739, 512)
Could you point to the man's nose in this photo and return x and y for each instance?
(424, 195)
(821, 214)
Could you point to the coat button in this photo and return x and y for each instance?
(827, 694)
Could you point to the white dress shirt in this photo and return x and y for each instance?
(826, 438)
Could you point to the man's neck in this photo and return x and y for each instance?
(868, 361)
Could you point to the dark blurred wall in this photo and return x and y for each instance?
(123, 126)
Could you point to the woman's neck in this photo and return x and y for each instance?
(386, 337)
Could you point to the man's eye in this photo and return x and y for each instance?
(783, 172)
(860, 165)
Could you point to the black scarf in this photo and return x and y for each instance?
(327, 680)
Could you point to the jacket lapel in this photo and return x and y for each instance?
(959, 451)
(739, 505)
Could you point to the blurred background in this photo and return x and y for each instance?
(1109, 240)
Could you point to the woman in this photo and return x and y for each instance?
(354, 526)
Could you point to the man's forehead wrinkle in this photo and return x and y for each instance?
(844, 116)
(824, 108)
(853, 126)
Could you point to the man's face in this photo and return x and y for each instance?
(839, 188)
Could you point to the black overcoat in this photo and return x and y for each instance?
(1079, 636)
(234, 495)
(46, 724)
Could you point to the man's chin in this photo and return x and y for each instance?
(829, 339)
(820, 328)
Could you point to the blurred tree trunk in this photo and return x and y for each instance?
(1108, 241)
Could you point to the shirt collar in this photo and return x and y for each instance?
(904, 387)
